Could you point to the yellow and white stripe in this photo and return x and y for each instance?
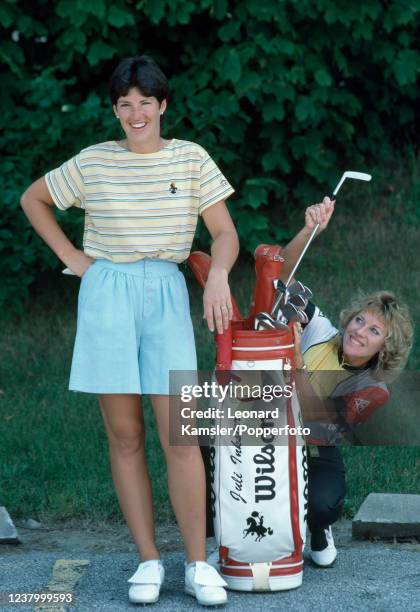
(139, 205)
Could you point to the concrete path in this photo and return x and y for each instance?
(374, 576)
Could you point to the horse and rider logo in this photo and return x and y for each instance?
(256, 527)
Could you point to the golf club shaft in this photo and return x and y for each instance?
(311, 237)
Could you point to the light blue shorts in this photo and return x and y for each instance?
(133, 328)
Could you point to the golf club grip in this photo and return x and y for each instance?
(332, 197)
(200, 264)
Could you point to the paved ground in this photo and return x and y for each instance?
(374, 576)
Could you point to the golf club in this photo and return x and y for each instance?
(358, 176)
(290, 312)
(298, 300)
(296, 288)
(276, 306)
(264, 321)
(282, 324)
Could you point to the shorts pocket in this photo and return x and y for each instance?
(85, 286)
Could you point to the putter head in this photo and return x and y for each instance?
(349, 174)
(358, 176)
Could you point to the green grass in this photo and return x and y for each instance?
(53, 450)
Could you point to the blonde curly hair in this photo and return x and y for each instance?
(393, 356)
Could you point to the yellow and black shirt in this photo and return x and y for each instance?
(355, 391)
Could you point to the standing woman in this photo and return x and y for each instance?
(142, 197)
(342, 382)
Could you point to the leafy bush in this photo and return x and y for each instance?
(284, 95)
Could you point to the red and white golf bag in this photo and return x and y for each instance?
(258, 492)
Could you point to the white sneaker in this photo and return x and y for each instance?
(146, 582)
(326, 556)
(203, 582)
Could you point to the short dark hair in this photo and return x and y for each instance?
(142, 72)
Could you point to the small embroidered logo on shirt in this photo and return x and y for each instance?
(173, 188)
(360, 404)
(223, 182)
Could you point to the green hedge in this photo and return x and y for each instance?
(284, 95)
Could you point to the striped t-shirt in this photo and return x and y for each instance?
(139, 204)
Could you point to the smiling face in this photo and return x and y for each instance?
(139, 116)
(363, 338)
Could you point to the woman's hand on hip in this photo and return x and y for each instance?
(78, 262)
(217, 302)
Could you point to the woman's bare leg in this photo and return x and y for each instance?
(124, 424)
(186, 483)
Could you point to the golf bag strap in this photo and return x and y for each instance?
(224, 350)
(261, 574)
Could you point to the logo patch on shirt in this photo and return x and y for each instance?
(173, 188)
(360, 404)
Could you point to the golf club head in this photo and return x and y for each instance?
(296, 287)
(349, 174)
(281, 324)
(290, 311)
(303, 317)
(277, 314)
(278, 297)
(264, 321)
(308, 293)
(298, 300)
(296, 318)
(263, 325)
(279, 285)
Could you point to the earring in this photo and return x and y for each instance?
(161, 114)
(117, 116)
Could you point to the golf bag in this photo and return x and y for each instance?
(258, 493)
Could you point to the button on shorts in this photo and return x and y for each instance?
(133, 328)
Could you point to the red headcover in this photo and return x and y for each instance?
(268, 265)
